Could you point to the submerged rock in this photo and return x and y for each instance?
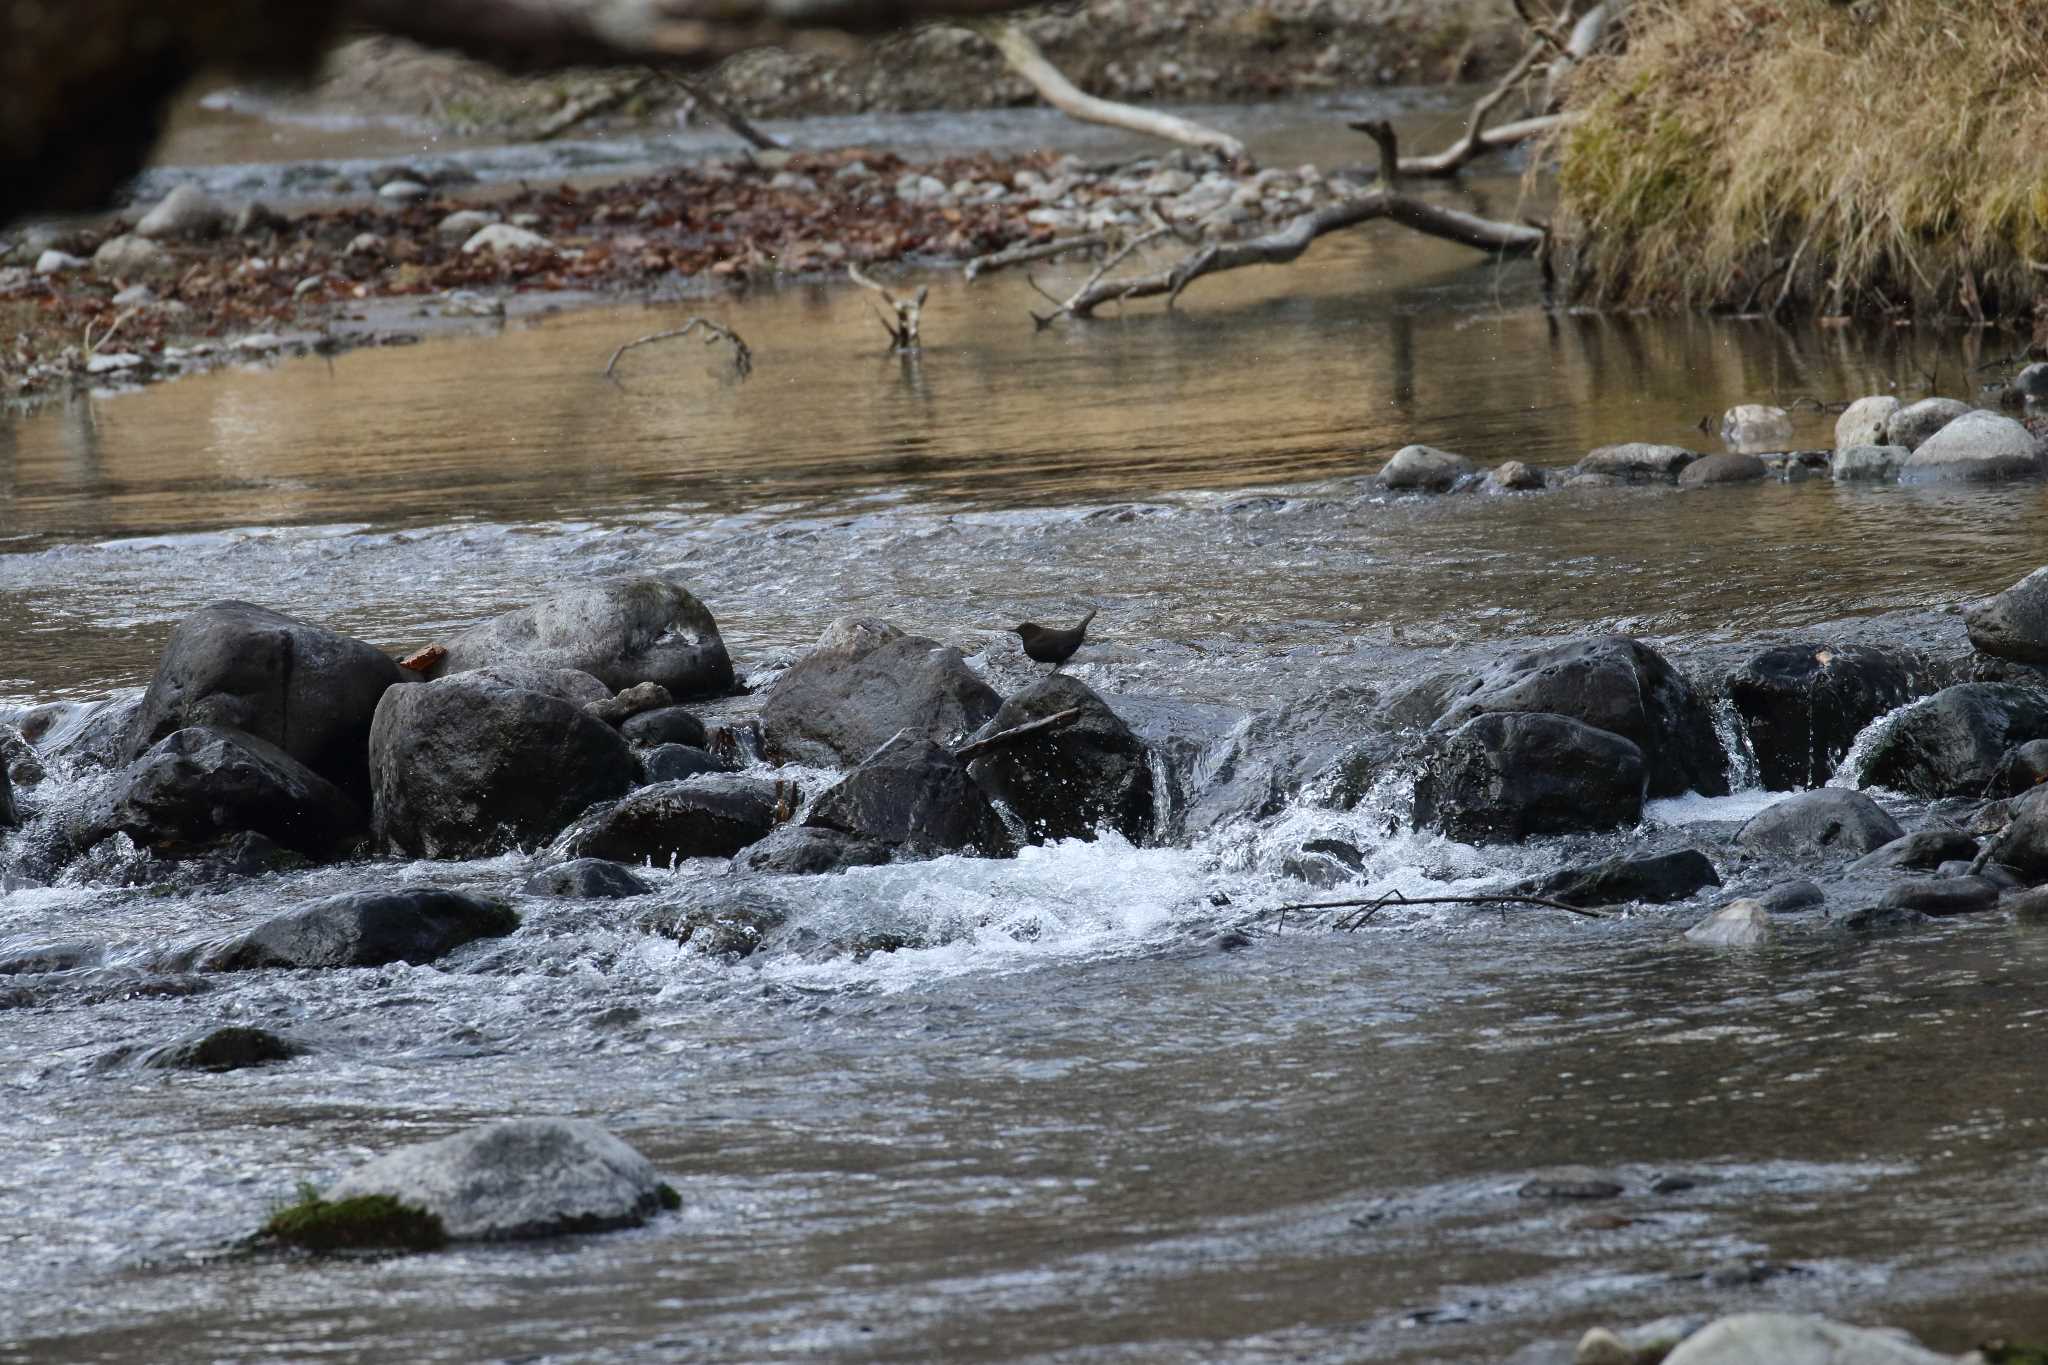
(1794, 1339)
(1832, 820)
(1787, 898)
(622, 631)
(201, 785)
(365, 929)
(225, 1049)
(1638, 462)
(1755, 427)
(1941, 895)
(809, 851)
(1804, 705)
(1977, 447)
(1069, 782)
(1717, 469)
(1657, 879)
(1502, 777)
(2014, 624)
(1863, 422)
(1739, 924)
(586, 879)
(1426, 469)
(1514, 476)
(864, 683)
(663, 824)
(914, 795)
(1572, 1182)
(1950, 744)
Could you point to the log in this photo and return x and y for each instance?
(1049, 81)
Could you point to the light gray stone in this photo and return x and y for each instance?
(1425, 468)
(1868, 462)
(55, 262)
(504, 237)
(1796, 1339)
(1750, 428)
(1638, 461)
(404, 191)
(1738, 924)
(130, 257)
(466, 223)
(186, 213)
(1863, 423)
(1976, 447)
(1914, 423)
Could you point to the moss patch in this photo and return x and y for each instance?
(671, 1198)
(370, 1222)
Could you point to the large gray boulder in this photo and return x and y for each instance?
(1426, 469)
(461, 768)
(1977, 447)
(702, 817)
(365, 929)
(1950, 744)
(526, 1178)
(621, 631)
(1804, 705)
(1794, 1339)
(1502, 777)
(307, 690)
(200, 785)
(1067, 783)
(913, 795)
(1828, 822)
(865, 682)
(2014, 624)
(1615, 684)
(1863, 422)
(1912, 424)
(1638, 462)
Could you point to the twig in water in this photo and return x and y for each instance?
(909, 312)
(742, 354)
(1371, 906)
(967, 752)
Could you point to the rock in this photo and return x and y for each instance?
(1869, 462)
(1754, 427)
(1573, 1182)
(586, 879)
(912, 794)
(1804, 705)
(55, 262)
(1863, 422)
(404, 192)
(674, 762)
(2031, 383)
(1067, 783)
(527, 1178)
(1738, 924)
(1878, 919)
(2023, 844)
(865, 682)
(504, 238)
(633, 701)
(305, 689)
(1615, 684)
(463, 768)
(1922, 851)
(257, 217)
(1427, 469)
(364, 244)
(1998, 874)
(1941, 895)
(135, 296)
(916, 188)
(806, 851)
(666, 725)
(1793, 1339)
(1658, 879)
(1832, 820)
(1516, 477)
(1717, 469)
(1950, 744)
(133, 258)
(2022, 768)
(1787, 898)
(186, 213)
(669, 822)
(1977, 447)
(2014, 624)
(365, 929)
(571, 685)
(1502, 777)
(200, 785)
(2030, 907)
(1909, 426)
(1638, 462)
(465, 223)
(622, 631)
(224, 1049)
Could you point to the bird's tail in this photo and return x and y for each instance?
(1086, 619)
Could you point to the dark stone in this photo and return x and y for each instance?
(865, 682)
(2022, 768)
(1616, 684)
(1326, 862)
(1572, 1184)
(1832, 820)
(571, 685)
(675, 762)
(2023, 845)
(1657, 879)
(913, 794)
(711, 817)
(1882, 919)
(2030, 907)
(224, 1049)
(200, 785)
(2014, 624)
(1503, 777)
(727, 931)
(1787, 897)
(1923, 852)
(19, 761)
(50, 957)
(9, 816)
(304, 689)
(1069, 782)
(87, 735)
(365, 929)
(632, 701)
(1804, 705)
(1713, 469)
(586, 879)
(1950, 744)
(807, 851)
(1941, 895)
(622, 631)
(666, 725)
(465, 769)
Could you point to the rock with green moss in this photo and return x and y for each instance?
(371, 1222)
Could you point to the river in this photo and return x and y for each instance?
(1069, 1123)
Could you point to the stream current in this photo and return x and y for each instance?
(1068, 1124)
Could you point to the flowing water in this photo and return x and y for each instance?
(1070, 1122)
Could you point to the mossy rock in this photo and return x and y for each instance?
(2013, 1353)
(369, 1222)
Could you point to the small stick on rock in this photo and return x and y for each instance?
(742, 354)
(968, 752)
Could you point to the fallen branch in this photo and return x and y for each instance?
(1033, 251)
(1477, 139)
(1370, 906)
(742, 354)
(909, 312)
(729, 116)
(966, 753)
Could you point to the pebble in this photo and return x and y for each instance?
(501, 237)
(55, 262)
(404, 191)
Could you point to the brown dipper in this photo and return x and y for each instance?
(1050, 645)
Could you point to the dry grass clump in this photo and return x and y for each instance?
(1880, 156)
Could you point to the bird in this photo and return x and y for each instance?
(1050, 644)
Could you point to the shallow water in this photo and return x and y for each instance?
(1069, 1126)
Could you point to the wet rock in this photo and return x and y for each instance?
(202, 784)
(462, 768)
(1616, 684)
(2030, 907)
(1873, 463)
(522, 1179)
(1070, 782)
(1882, 919)
(1573, 1182)
(913, 794)
(1832, 820)
(225, 1049)
(1755, 427)
(572, 685)
(809, 851)
(1787, 898)
(633, 701)
(1794, 1339)
(133, 258)
(2014, 624)
(1950, 744)
(2022, 768)
(1941, 895)
(727, 931)
(1998, 874)
(505, 239)
(1921, 851)
(1977, 447)
(1738, 924)
(1804, 705)
(1426, 469)
(622, 631)
(586, 879)
(119, 861)
(2023, 844)
(675, 762)
(1502, 777)
(1516, 477)
(1718, 469)
(706, 817)
(1326, 862)
(88, 734)
(1594, 481)
(186, 213)
(10, 815)
(865, 682)
(1657, 879)
(1911, 425)
(1638, 462)
(365, 929)
(665, 725)
(1863, 422)
(307, 690)
(43, 959)
(19, 760)
(465, 223)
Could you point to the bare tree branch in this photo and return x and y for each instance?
(1037, 251)
(1475, 142)
(742, 354)
(909, 312)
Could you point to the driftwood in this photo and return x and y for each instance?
(1478, 139)
(1034, 251)
(742, 354)
(909, 312)
(966, 753)
(1367, 907)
